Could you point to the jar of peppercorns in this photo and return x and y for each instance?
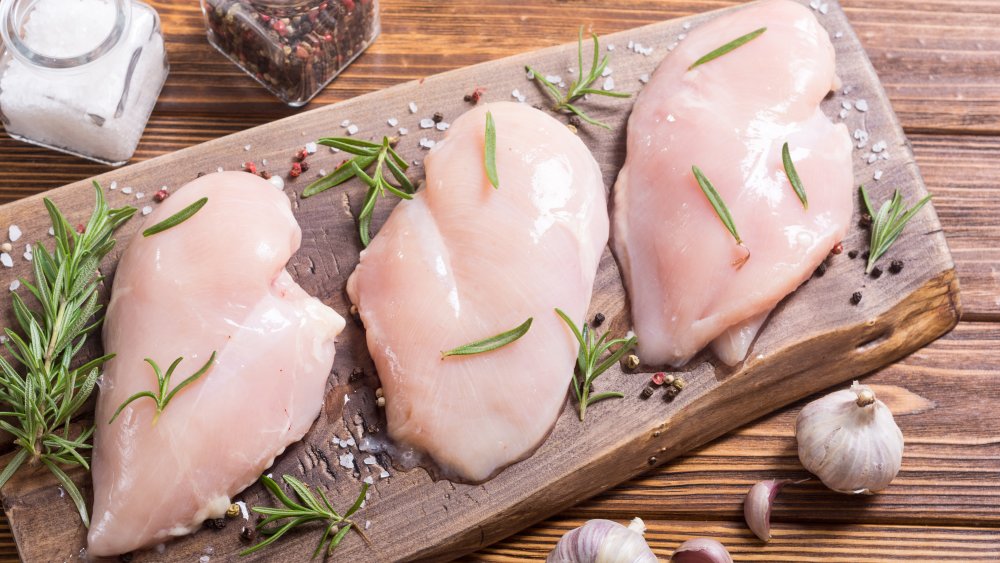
(294, 48)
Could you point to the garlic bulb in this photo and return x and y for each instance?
(701, 550)
(849, 440)
(603, 541)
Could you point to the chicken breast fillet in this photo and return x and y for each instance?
(729, 117)
(214, 283)
(463, 261)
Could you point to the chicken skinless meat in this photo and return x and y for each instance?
(216, 282)
(729, 117)
(463, 261)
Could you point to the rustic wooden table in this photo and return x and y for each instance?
(940, 63)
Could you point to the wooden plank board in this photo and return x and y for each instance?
(813, 340)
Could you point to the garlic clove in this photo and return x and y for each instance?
(850, 441)
(701, 550)
(757, 506)
(603, 541)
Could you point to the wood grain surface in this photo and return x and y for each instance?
(938, 61)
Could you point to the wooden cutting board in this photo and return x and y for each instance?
(814, 339)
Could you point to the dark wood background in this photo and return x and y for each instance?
(940, 63)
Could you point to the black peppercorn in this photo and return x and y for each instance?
(574, 121)
(856, 298)
(647, 392)
(670, 393)
(866, 221)
(215, 523)
(896, 267)
(820, 270)
(598, 320)
(125, 557)
(852, 254)
(864, 255)
(438, 117)
(356, 374)
(876, 273)
(248, 533)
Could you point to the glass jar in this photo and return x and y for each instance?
(294, 48)
(80, 76)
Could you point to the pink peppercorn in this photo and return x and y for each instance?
(658, 378)
(349, 4)
(296, 170)
(837, 248)
(250, 167)
(160, 195)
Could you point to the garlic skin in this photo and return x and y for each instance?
(603, 541)
(757, 506)
(850, 441)
(701, 550)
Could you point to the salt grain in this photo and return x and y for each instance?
(413, 107)
(352, 129)
(607, 71)
(277, 181)
(681, 37)
(147, 210)
(369, 480)
(14, 233)
(877, 175)
(426, 123)
(687, 25)
(114, 184)
(611, 47)
(644, 78)
(824, 8)
(370, 460)
(15, 284)
(403, 131)
(139, 195)
(872, 158)
(322, 172)
(126, 191)
(368, 524)
(517, 95)
(351, 442)
(553, 78)
(219, 169)
(426, 143)
(862, 105)
(345, 123)
(383, 475)
(392, 121)
(843, 114)
(846, 105)
(838, 35)
(204, 559)
(443, 126)
(28, 256)
(52, 232)
(310, 148)
(6, 260)
(246, 148)
(609, 83)
(347, 461)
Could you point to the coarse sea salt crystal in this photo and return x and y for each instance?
(368, 524)
(52, 232)
(383, 475)
(687, 25)
(426, 143)
(14, 233)
(846, 104)
(204, 559)
(403, 131)
(246, 148)
(843, 114)
(413, 107)
(352, 129)
(351, 442)
(310, 148)
(611, 46)
(6, 260)
(28, 255)
(838, 35)
(370, 460)
(15, 284)
(277, 181)
(369, 480)
(147, 210)
(347, 461)
(644, 78)
(114, 184)
(862, 105)
(392, 122)
(609, 83)
(443, 126)
(877, 175)
(426, 123)
(126, 191)
(139, 195)
(98, 110)
(345, 123)
(219, 169)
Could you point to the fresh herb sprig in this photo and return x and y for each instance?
(491, 151)
(721, 210)
(52, 384)
(162, 397)
(383, 157)
(589, 364)
(491, 343)
(564, 102)
(176, 218)
(308, 509)
(735, 43)
(793, 176)
(887, 224)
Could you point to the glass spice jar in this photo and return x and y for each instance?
(294, 48)
(80, 76)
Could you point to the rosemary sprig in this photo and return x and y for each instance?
(581, 86)
(793, 176)
(887, 224)
(588, 364)
(176, 218)
(162, 397)
(491, 343)
(308, 509)
(366, 154)
(53, 384)
(735, 43)
(491, 151)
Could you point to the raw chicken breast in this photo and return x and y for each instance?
(730, 117)
(216, 282)
(463, 261)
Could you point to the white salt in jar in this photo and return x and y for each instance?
(80, 76)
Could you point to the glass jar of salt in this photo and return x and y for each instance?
(294, 48)
(80, 76)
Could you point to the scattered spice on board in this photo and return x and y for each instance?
(837, 248)
(856, 298)
(598, 320)
(876, 273)
(820, 270)
(294, 48)
(896, 266)
(160, 195)
(852, 254)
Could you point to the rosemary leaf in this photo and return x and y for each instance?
(491, 343)
(176, 218)
(716, 200)
(44, 383)
(307, 509)
(735, 43)
(162, 397)
(887, 224)
(563, 102)
(793, 176)
(589, 365)
(491, 151)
